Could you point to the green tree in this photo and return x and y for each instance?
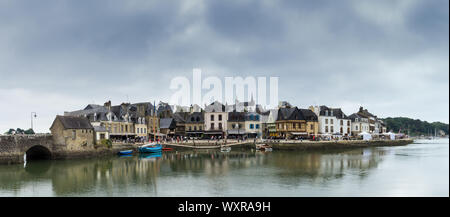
(10, 131)
(29, 131)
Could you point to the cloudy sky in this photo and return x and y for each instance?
(388, 56)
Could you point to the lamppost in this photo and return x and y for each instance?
(33, 114)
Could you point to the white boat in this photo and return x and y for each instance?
(225, 149)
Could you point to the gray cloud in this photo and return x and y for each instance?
(389, 56)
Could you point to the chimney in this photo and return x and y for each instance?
(108, 105)
(360, 108)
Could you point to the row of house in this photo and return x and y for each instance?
(144, 121)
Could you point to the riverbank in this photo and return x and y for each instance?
(299, 145)
(57, 153)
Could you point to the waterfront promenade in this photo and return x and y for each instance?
(288, 144)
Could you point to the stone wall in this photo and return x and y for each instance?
(13, 147)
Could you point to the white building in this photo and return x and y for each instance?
(252, 124)
(215, 119)
(359, 124)
(332, 121)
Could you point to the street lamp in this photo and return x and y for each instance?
(33, 114)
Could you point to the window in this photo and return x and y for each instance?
(356, 127)
(257, 126)
(348, 123)
(102, 136)
(332, 130)
(312, 127)
(212, 126)
(251, 117)
(326, 121)
(342, 122)
(251, 126)
(212, 118)
(342, 131)
(220, 125)
(74, 134)
(220, 117)
(331, 121)
(195, 128)
(145, 130)
(326, 129)
(189, 128)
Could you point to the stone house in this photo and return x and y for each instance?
(312, 122)
(236, 124)
(76, 133)
(216, 118)
(291, 123)
(252, 125)
(270, 125)
(168, 126)
(194, 125)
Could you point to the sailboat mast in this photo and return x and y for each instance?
(154, 116)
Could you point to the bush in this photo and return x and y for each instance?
(106, 143)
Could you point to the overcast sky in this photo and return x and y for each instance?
(391, 57)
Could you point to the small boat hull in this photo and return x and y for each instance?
(150, 149)
(125, 152)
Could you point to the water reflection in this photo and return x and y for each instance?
(147, 174)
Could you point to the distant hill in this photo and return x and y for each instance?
(415, 127)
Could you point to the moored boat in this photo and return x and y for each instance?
(225, 149)
(264, 147)
(125, 152)
(150, 148)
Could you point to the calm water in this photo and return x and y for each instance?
(420, 169)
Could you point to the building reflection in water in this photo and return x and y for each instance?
(129, 176)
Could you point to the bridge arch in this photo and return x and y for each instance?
(38, 152)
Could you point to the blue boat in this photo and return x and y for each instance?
(150, 148)
(125, 152)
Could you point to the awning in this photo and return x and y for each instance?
(299, 133)
(213, 132)
(158, 134)
(239, 132)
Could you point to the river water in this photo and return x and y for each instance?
(419, 169)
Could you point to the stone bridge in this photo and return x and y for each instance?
(18, 148)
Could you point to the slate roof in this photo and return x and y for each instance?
(72, 122)
(252, 116)
(100, 129)
(337, 112)
(290, 114)
(162, 106)
(195, 117)
(354, 116)
(309, 115)
(215, 107)
(236, 116)
(363, 112)
(166, 123)
(180, 117)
